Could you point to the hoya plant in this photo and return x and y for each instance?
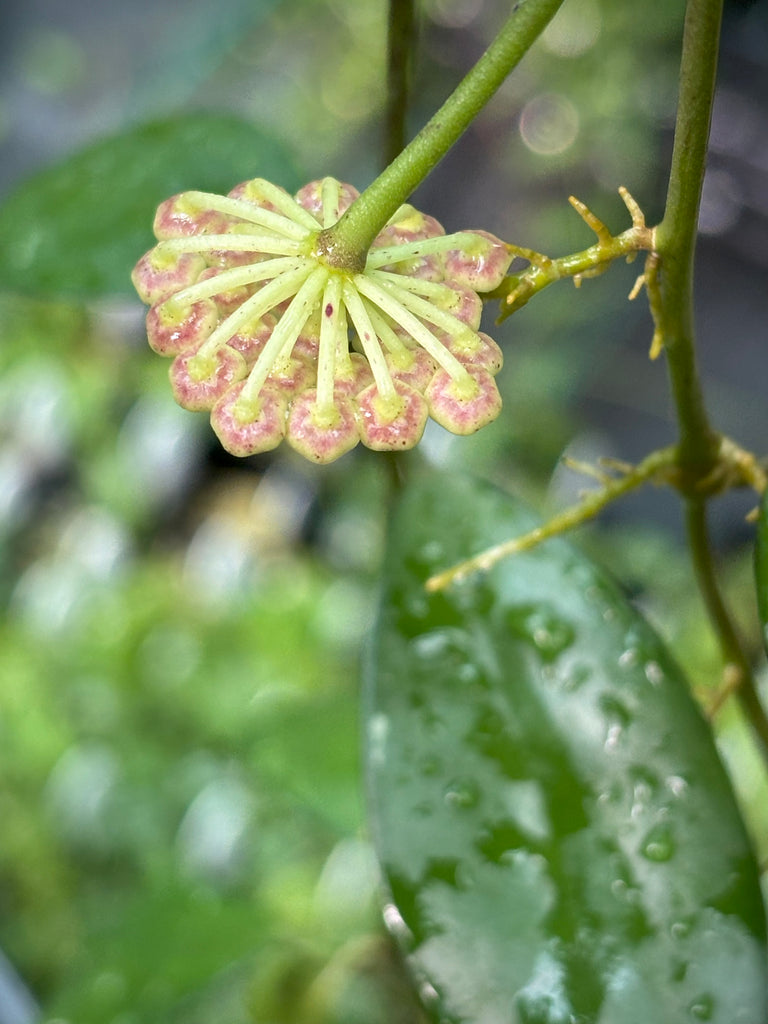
(557, 837)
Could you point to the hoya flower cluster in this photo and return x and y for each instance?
(277, 342)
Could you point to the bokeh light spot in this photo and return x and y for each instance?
(574, 29)
(549, 124)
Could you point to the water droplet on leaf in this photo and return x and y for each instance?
(617, 718)
(575, 676)
(679, 930)
(548, 631)
(644, 787)
(677, 785)
(702, 1007)
(658, 844)
(462, 793)
(628, 658)
(654, 673)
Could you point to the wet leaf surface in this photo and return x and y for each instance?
(559, 837)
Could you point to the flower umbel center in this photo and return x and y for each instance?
(280, 334)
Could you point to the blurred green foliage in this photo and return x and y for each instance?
(100, 203)
(162, 766)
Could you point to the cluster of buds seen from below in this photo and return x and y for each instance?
(278, 343)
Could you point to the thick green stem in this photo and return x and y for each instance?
(676, 235)
(346, 243)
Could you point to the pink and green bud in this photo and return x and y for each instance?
(480, 351)
(462, 303)
(261, 193)
(408, 225)
(182, 215)
(463, 408)
(387, 425)
(158, 275)
(173, 327)
(292, 376)
(352, 376)
(480, 264)
(326, 199)
(308, 342)
(412, 366)
(322, 435)
(247, 428)
(198, 381)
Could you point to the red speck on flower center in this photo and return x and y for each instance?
(329, 310)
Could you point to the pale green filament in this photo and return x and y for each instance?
(417, 330)
(392, 343)
(368, 340)
(286, 204)
(418, 285)
(343, 358)
(332, 322)
(257, 305)
(247, 211)
(237, 277)
(283, 336)
(441, 318)
(272, 245)
(422, 247)
(330, 194)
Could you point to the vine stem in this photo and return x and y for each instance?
(675, 243)
(737, 663)
(347, 242)
(676, 234)
(400, 33)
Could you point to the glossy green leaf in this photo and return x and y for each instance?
(79, 227)
(560, 840)
(761, 567)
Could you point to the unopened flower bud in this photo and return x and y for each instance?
(322, 435)
(463, 408)
(480, 263)
(198, 381)
(249, 431)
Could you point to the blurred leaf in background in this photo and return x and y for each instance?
(79, 228)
